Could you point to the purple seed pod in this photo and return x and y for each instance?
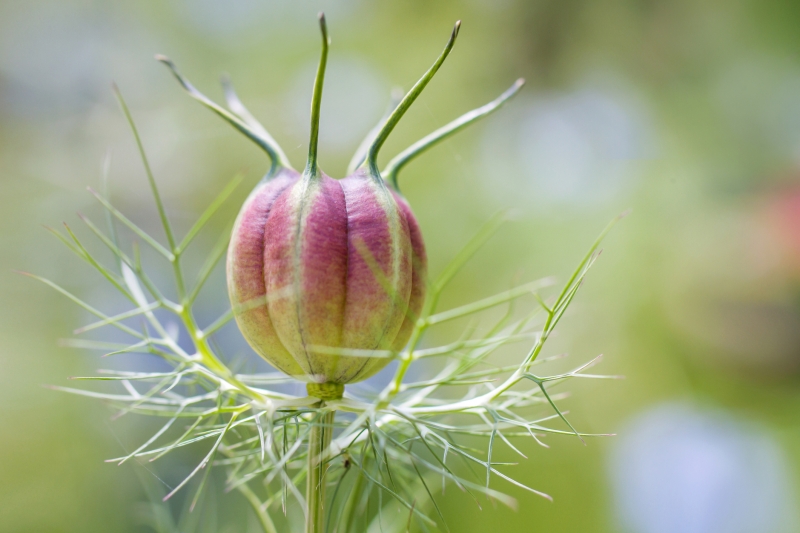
(327, 277)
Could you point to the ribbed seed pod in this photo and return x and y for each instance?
(247, 286)
(326, 277)
(337, 270)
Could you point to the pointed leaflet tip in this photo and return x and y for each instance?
(316, 100)
(323, 25)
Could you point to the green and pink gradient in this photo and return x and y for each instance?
(332, 264)
(327, 277)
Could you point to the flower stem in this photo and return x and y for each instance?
(318, 443)
(348, 514)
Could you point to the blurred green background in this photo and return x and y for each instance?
(686, 111)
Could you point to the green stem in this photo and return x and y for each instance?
(348, 514)
(209, 358)
(318, 442)
(263, 517)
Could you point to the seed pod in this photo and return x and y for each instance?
(327, 277)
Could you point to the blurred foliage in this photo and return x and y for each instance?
(686, 111)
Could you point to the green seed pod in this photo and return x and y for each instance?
(326, 277)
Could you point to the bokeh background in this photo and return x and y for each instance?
(686, 111)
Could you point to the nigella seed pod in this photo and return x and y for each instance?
(327, 276)
(247, 285)
(337, 265)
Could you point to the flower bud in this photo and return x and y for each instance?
(330, 264)
(327, 277)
